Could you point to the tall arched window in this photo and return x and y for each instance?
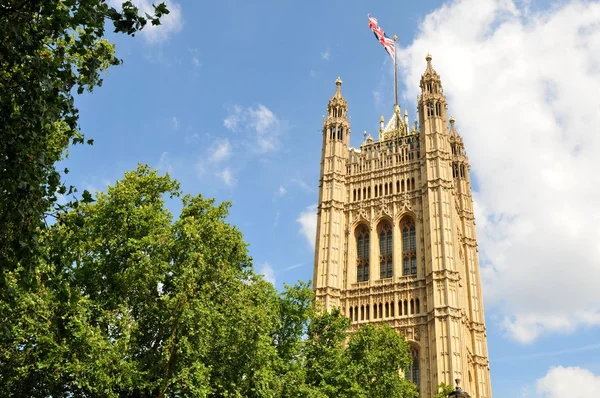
(409, 248)
(385, 251)
(362, 255)
(412, 373)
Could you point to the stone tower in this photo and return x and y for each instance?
(396, 238)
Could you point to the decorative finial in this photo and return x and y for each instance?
(338, 81)
(381, 118)
(452, 120)
(395, 38)
(428, 58)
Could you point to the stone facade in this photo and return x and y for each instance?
(396, 238)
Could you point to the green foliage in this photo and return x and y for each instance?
(136, 304)
(48, 50)
(443, 390)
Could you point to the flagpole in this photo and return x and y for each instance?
(395, 73)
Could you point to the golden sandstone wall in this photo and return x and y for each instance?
(396, 238)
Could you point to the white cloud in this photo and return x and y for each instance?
(232, 121)
(570, 382)
(260, 121)
(227, 176)
(312, 73)
(303, 185)
(325, 55)
(308, 224)
(523, 88)
(282, 191)
(196, 62)
(165, 164)
(175, 122)
(169, 24)
(291, 267)
(267, 272)
(220, 151)
(266, 125)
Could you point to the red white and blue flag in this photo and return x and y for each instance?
(385, 41)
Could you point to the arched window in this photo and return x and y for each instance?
(380, 310)
(413, 183)
(412, 306)
(417, 309)
(412, 373)
(356, 313)
(400, 308)
(362, 255)
(402, 185)
(387, 310)
(362, 312)
(409, 248)
(351, 314)
(397, 186)
(376, 192)
(392, 305)
(405, 307)
(355, 195)
(374, 311)
(385, 251)
(369, 192)
(364, 193)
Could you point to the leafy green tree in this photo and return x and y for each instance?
(443, 390)
(49, 50)
(133, 304)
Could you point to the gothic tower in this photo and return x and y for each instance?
(396, 238)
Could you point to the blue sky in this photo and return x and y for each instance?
(228, 97)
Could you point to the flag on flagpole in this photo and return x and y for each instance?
(385, 41)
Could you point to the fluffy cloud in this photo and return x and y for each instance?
(227, 176)
(308, 224)
(267, 272)
(220, 151)
(568, 382)
(523, 87)
(325, 55)
(260, 121)
(169, 24)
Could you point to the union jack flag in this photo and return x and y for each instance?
(385, 41)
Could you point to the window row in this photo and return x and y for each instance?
(336, 112)
(434, 109)
(385, 310)
(457, 149)
(336, 133)
(458, 170)
(386, 251)
(384, 189)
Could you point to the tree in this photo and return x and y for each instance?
(134, 304)
(48, 50)
(443, 390)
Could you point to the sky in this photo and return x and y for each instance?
(228, 97)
